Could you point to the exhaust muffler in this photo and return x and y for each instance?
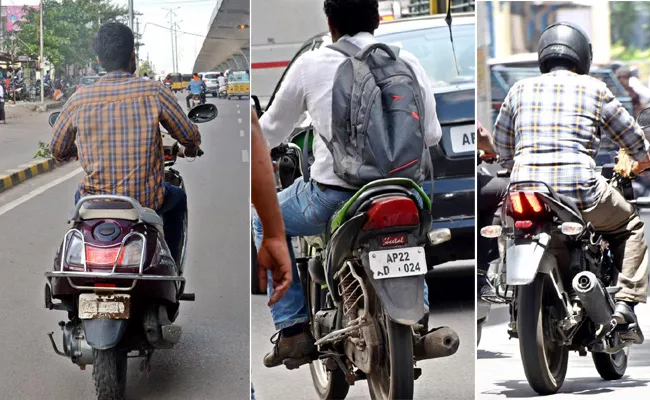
(442, 342)
(594, 298)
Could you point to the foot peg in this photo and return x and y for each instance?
(171, 333)
(440, 342)
(632, 333)
(188, 297)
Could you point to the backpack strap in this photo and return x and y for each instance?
(379, 46)
(345, 47)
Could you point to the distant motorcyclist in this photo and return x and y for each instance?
(223, 83)
(119, 159)
(549, 129)
(196, 86)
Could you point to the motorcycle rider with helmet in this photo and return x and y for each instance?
(549, 130)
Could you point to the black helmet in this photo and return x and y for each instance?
(564, 41)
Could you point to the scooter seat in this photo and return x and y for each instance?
(118, 210)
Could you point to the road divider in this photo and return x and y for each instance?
(13, 177)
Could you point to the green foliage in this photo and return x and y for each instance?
(43, 150)
(622, 53)
(146, 68)
(70, 26)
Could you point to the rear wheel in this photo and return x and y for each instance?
(545, 360)
(109, 373)
(611, 367)
(393, 377)
(330, 385)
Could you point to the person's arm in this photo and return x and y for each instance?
(62, 145)
(484, 142)
(624, 130)
(504, 133)
(177, 124)
(289, 104)
(273, 254)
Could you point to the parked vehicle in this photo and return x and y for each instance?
(559, 306)
(115, 278)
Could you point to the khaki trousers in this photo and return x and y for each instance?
(619, 223)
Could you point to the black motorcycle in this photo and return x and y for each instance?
(559, 276)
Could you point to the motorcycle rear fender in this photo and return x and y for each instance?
(402, 298)
(104, 334)
(524, 259)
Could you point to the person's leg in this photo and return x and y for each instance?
(77, 196)
(617, 219)
(491, 192)
(305, 210)
(173, 215)
(187, 99)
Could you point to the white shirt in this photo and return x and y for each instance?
(222, 81)
(307, 87)
(640, 89)
(2, 92)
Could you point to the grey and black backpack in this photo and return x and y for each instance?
(377, 117)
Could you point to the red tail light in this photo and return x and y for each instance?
(392, 211)
(105, 285)
(523, 224)
(525, 203)
(102, 256)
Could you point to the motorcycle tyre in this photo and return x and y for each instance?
(109, 373)
(530, 332)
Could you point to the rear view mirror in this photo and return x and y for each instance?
(257, 106)
(203, 113)
(53, 118)
(643, 202)
(644, 118)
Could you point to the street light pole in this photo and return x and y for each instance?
(42, 58)
(131, 14)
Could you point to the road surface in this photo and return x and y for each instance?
(500, 375)
(212, 359)
(449, 378)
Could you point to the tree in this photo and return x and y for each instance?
(70, 26)
(146, 68)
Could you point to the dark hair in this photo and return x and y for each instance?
(114, 46)
(350, 17)
(196, 74)
(145, 74)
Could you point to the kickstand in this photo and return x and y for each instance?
(145, 365)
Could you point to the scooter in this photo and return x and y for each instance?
(115, 278)
(223, 92)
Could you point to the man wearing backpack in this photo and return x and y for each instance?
(313, 85)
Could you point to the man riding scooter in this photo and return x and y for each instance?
(223, 85)
(108, 149)
(196, 86)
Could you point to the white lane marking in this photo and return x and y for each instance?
(241, 133)
(244, 156)
(239, 120)
(238, 111)
(237, 105)
(28, 196)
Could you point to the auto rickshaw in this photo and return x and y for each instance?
(177, 82)
(187, 78)
(239, 84)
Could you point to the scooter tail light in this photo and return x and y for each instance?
(391, 212)
(101, 256)
(523, 224)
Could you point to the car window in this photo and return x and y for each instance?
(432, 47)
(211, 76)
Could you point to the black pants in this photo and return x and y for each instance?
(189, 96)
(491, 191)
(2, 110)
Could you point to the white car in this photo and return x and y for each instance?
(211, 81)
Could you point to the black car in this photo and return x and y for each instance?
(452, 77)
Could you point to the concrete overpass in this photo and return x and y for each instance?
(226, 46)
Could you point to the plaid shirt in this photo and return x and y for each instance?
(550, 128)
(116, 126)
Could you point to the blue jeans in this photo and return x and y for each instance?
(172, 212)
(306, 209)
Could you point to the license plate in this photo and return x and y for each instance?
(107, 306)
(462, 139)
(397, 263)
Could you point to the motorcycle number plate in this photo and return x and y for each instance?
(398, 263)
(104, 306)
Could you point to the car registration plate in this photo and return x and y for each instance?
(108, 306)
(397, 263)
(463, 139)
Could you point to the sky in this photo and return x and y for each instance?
(193, 16)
